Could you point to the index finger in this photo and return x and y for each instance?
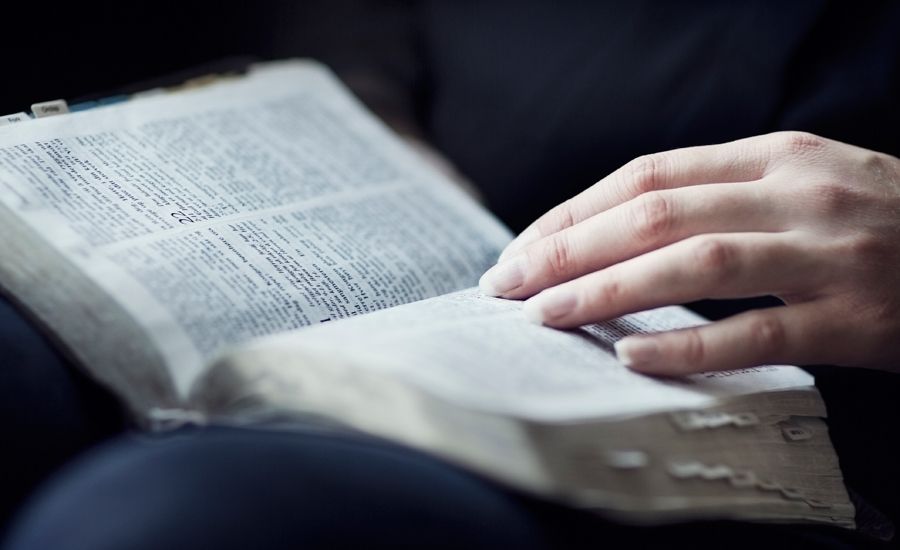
(732, 162)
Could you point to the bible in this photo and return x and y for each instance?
(262, 248)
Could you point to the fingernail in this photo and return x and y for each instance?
(502, 278)
(549, 305)
(637, 352)
(523, 239)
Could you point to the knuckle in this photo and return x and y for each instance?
(693, 349)
(831, 198)
(652, 216)
(884, 172)
(800, 143)
(607, 293)
(878, 164)
(889, 170)
(557, 256)
(560, 217)
(887, 327)
(767, 334)
(886, 314)
(647, 172)
(715, 258)
(867, 249)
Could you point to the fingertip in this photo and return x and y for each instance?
(485, 285)
(640, 353)
(532, 312)
(503, 280)
(551, 307)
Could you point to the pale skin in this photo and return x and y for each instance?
(812, 221)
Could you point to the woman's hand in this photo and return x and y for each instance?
(812, 221)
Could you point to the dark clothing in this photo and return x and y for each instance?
(239, 489)
(535, 101)
(51, 411)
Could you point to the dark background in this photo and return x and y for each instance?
(75, 49)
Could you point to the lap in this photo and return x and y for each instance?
(50, 411)
(238, 488)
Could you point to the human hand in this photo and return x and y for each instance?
(812, 221)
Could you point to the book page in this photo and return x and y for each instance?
(249, 207)
(480, 352)
(552, 412)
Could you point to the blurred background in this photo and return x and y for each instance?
(74, 49)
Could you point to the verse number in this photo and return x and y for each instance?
(182, 217)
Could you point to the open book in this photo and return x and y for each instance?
(177, 245)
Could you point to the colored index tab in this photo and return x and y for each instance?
(13, 118)
(50, 108)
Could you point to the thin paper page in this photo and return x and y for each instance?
(481, 352)
(253, 206)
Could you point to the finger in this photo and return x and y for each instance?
(638, 226)
(780, 335)
(736, 265)
(736, 161)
